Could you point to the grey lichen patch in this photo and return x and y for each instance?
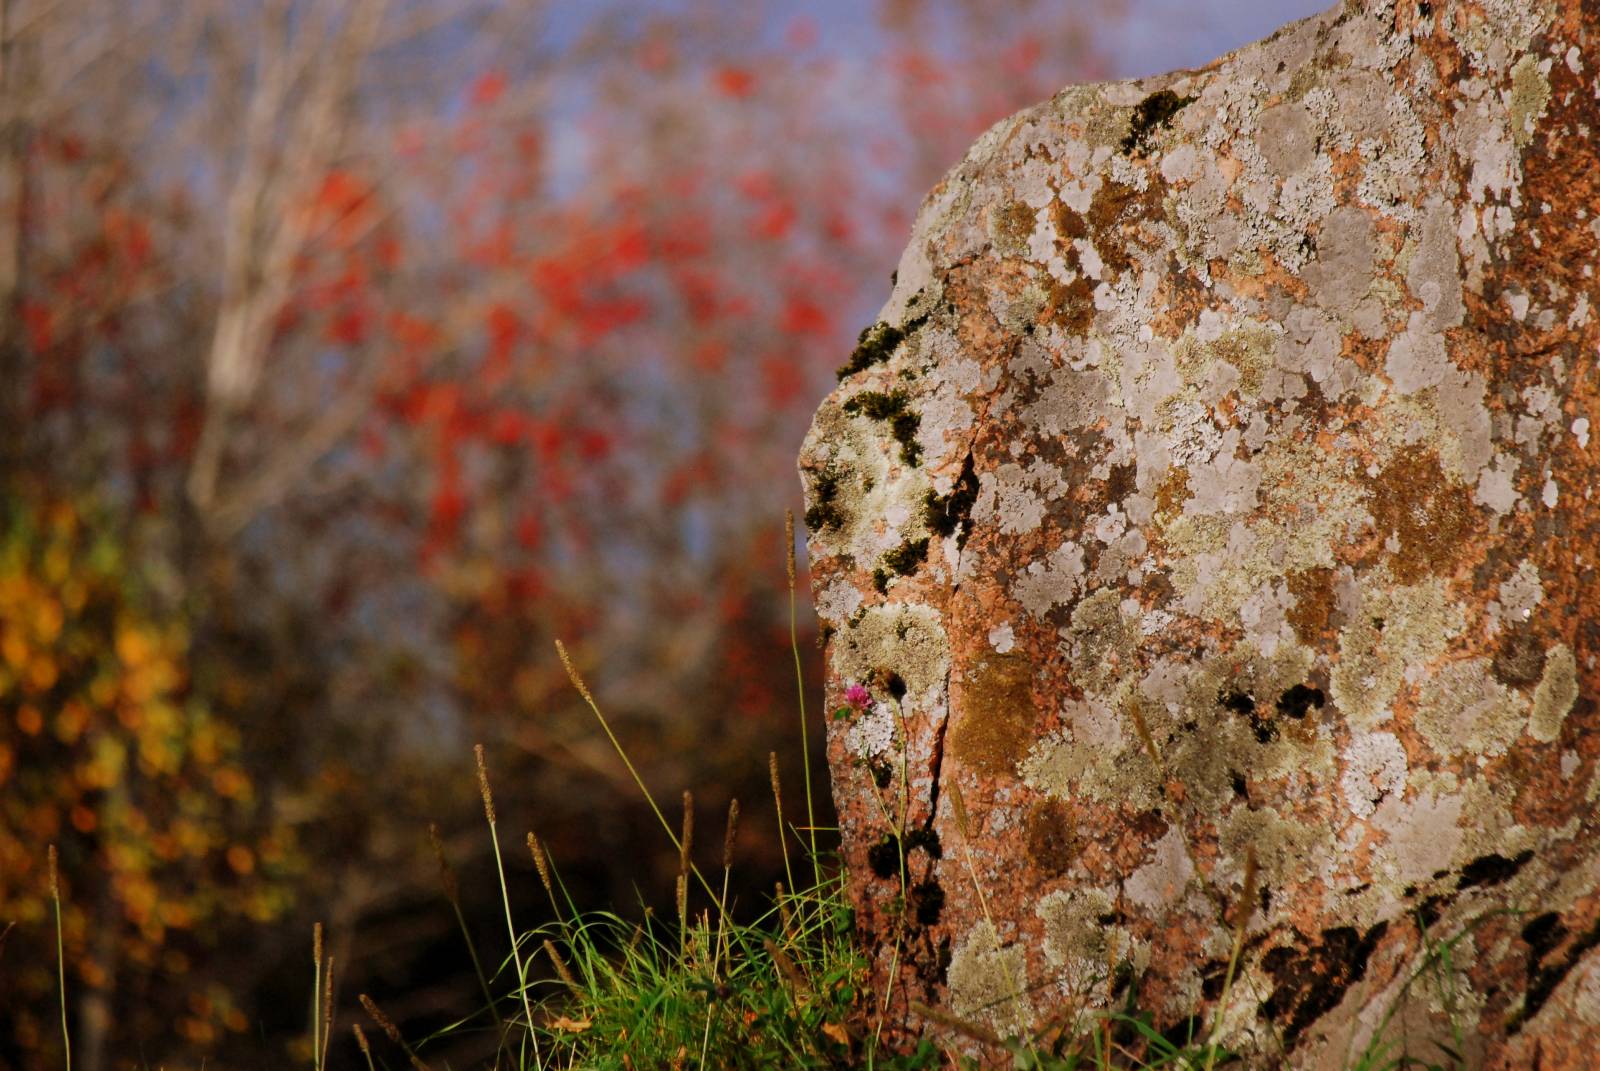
(1077, 939)
(1247, 350)
(1069, 399)
(1096, 756)
(1014, 497)
(1555, 694)
(1463, 709)
(1375, 769)
(1530, 94)
(994, 714)
(1423, 833)
(989, 982)
(907, 640)
(1052, 581)
(1434, 274)
(1311, 502)
(1161, 882)
(864, 499)
(1288, 850)
(1395, 628)
(1101, 641)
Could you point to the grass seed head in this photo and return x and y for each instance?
(483, 783)
(728, 838)
(447, 874)
(572, 672)
(788, 544)
(541, 862)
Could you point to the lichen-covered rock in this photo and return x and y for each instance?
(1219, 481)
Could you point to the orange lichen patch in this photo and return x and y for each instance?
(1314, 602)
(1412, 500)
(1072, 305)
(1052, 837)
(1012, 224)
(1069, 224)
(1172, 492)
(1116, 209)
(994, 714)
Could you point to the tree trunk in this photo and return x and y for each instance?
(1210, 522)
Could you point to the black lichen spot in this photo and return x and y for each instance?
(924, 840)
(875, 345)
(1238, 702)
(947, 514)
(880, 580)
(824, 512)
(1213, 974)
(882, 772)
(904, 559)
(1296, 701)
(1542, 933)
(1311, 983)
(1429, 910)
(1153, 113)
(1240, 788)
(884, 857)
(893, 407)
(1181, 1034)
(1490, 870)
(927, 902)
(1265, 729)
(1542, 980)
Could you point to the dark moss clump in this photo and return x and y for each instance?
(882, 772)
(1543, 977)
(884, 857)
(875, 345)
(1242, 703)
(945, 514)
(894, 407)
(905, 558)
(1237, 702)
(1298, 700)
(824, 512)
(1492, 869)
(1311, 983)
(1153, 113)
(927, 901)
(925, 839)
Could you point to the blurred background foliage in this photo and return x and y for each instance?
(352, 351)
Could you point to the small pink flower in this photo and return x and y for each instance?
(858, 696)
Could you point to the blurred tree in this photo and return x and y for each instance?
(402, 337)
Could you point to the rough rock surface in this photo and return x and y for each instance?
(1220, 478)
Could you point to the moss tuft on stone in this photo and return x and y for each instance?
(1153, 113)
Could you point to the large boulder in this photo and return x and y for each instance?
(1219, 481)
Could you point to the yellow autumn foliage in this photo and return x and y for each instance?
(108, 750)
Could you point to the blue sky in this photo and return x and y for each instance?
(1162, 35)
